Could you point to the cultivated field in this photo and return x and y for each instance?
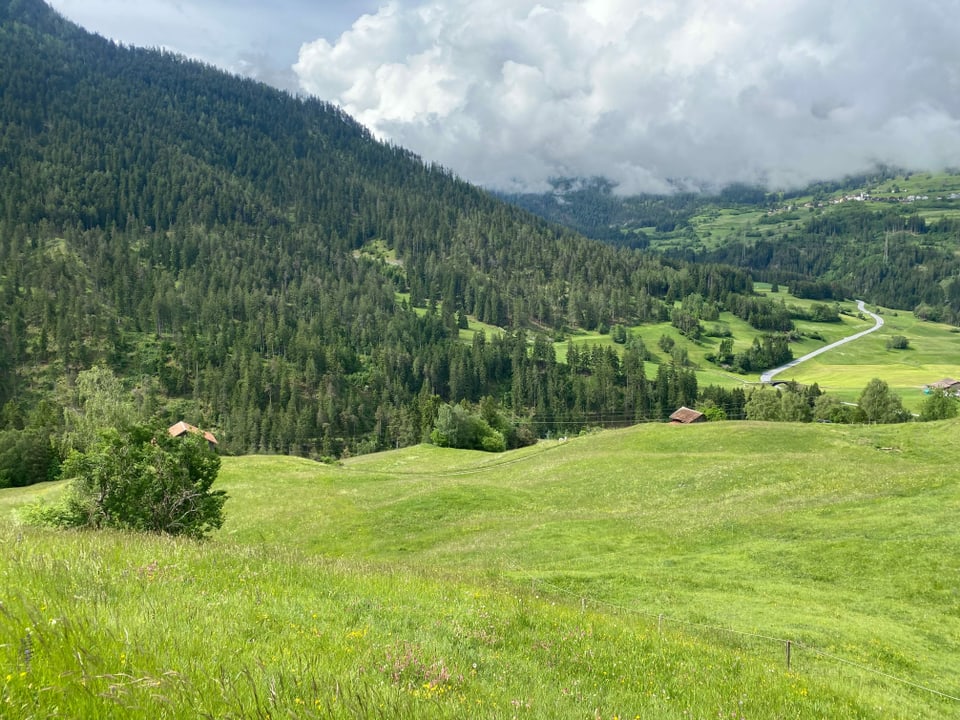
(656, 571)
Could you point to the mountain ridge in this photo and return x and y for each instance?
(206, 238)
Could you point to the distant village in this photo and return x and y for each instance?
(865, 197)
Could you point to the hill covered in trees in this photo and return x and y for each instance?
(260, 264)
(889, 237)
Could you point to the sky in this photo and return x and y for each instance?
(653, 95)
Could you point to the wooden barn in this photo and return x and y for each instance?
(947, 385)
(182, 428)
(687, 416)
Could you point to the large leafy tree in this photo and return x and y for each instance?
(878, 404)
(763, 404)
(100, 399)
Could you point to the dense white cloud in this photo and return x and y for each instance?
(646, 92)
(509, 93)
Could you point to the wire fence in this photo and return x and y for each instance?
(794, 655)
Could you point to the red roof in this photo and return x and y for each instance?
(182, 428)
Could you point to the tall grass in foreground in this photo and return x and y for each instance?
(652, 572)
(109, 625)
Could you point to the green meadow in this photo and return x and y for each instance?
(655, 571)
(717, 223)
(933, 352)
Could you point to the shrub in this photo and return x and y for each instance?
(828, 408)
(140, 478)
(939, 406)
(457, 427)
(712, 412)
(493, 442)
(897, 342)
(719, 331)
(821, 312)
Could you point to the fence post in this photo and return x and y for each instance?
(660, 624)
(788, 654)
(583, 605)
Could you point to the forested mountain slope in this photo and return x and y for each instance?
(890, 237)
(208, 239)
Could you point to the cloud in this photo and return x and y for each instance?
(248, 37)
(652, 93)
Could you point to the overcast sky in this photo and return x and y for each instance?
(648, 93)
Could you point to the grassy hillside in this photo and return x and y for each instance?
(651, 572)
(887, 238)
(930, 195)
(716, 220)
(933, 353)
(695, 221)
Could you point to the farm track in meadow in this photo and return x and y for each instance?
(878, 323)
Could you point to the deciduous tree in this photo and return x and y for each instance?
(939, 406)
(879, 405)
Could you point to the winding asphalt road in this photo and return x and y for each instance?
(769, 374)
